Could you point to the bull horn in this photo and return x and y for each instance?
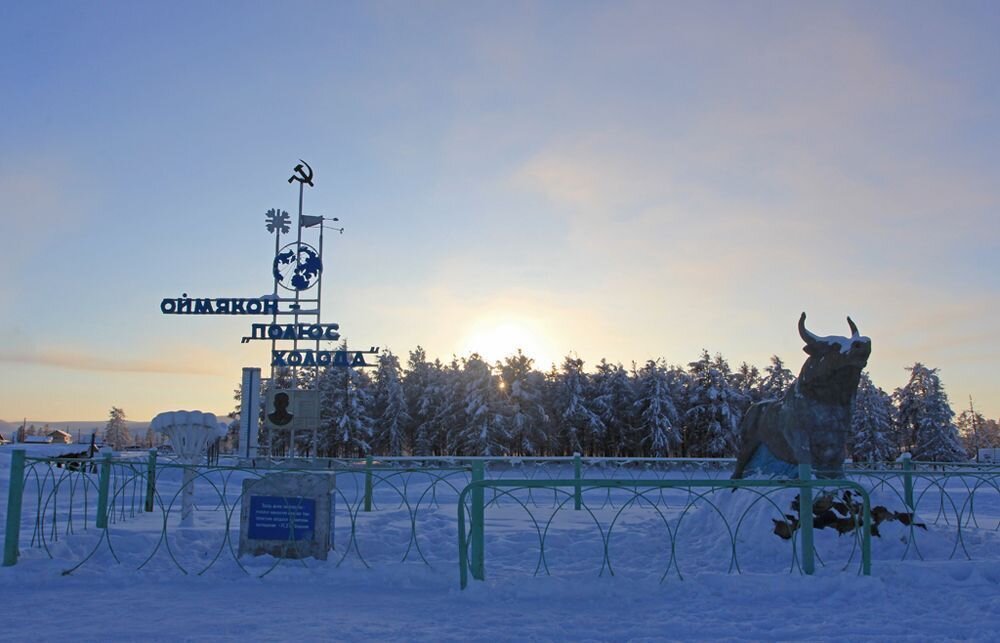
(806, 336)
(854, 329)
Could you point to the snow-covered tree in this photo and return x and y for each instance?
(346, 425)
(579, 425)
(390, 412)
(747, 379)
(614, 399)
(484, 432)
(116, 431)
(976, 432)
(776, 380)
(713, 409)
(448, 425)
(925, 418)
(524, 415)
(656, 414)
(420, 384)
(873, 434)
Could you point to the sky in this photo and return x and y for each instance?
(619, 180)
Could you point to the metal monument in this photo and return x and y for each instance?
(296, 329)
(811, 424)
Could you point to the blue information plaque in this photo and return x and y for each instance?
(281, 518)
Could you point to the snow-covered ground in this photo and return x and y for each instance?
(944, 596)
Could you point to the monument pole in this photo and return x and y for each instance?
(290, 406)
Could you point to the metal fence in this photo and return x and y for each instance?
(626, 513)
(471, 542)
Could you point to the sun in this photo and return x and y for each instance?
(496, 338)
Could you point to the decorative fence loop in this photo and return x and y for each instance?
(126, 508)
(472, 496)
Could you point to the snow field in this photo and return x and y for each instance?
(398, 595)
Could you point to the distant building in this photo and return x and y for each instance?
(38, 439)
(61, 437)
(989, 456)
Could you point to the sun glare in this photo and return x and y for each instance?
(495, 339)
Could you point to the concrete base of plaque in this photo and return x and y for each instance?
(287, 515)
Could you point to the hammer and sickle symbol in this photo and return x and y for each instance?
(305, 174)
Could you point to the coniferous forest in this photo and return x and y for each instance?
(470, 407)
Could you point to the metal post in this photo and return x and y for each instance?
(368, 483)
(463, 561)
(150, 480)
(103, 482)
(806, 519)
(187, 495)
(577, 474)
(298, 246)
(866, 537)
(14, 494)
(250, 412)
(908, 480)
(476, 518)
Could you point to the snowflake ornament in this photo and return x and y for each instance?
(278, 220)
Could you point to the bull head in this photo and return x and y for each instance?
(835, 363)
(818, 345)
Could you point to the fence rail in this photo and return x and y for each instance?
(127, 509)
(471, 543)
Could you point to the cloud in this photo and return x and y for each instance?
(81, 361)
(43, 196)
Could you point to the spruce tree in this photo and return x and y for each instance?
(116, 431)
(776, 380)
(747, 380)
(655, 411)
(872, 437)
(925, 418)
(613, 402)
(483, 433)
(418, 385)
(579, 425)
(712, 417)
(346, 425)
(522, 389)
(389, 407)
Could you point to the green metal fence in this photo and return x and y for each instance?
(111, 498)
(127, 509)
(471, 541)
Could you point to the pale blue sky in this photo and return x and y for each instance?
(626, 180)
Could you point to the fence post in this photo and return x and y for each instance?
(908, 480)
(14, 494)
(577, 474)
(103, 482)
(476, 518)
(368, 483)
(806, 519)
(151, 479)
(866, 537)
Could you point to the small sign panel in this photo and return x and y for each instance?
(291, 409)
(288, 515)
(281, 518)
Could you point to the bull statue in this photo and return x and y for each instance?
(811, 424)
